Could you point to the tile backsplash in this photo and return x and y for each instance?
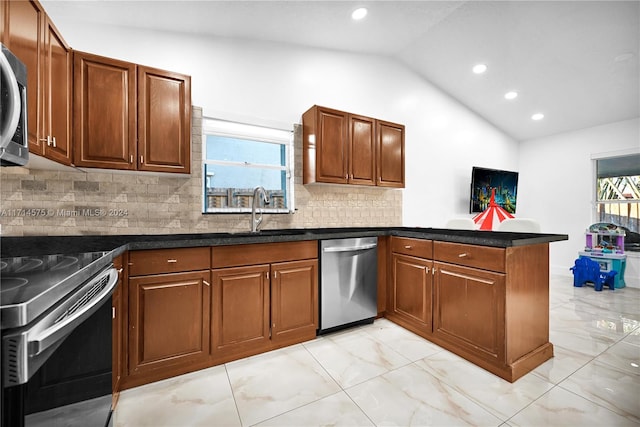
(75, 202)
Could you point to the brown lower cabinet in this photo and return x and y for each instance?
(488, 305)
(168, 320)
(470, 309)
(168, 307)
(241, 309)
(294, 301)
(265, 296)
(411, 285)
(186, 309)
(412, 288)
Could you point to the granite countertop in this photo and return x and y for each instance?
(115, 245)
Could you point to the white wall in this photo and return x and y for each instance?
(556, 175)
(277, 83)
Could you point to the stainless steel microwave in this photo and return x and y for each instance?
(14, 145)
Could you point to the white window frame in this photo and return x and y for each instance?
(595, 202)
(267, 134)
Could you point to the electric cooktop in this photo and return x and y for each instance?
(30, 285)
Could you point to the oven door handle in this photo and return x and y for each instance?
(58, 331)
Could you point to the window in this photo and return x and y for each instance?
(618, 191)
(240, 157)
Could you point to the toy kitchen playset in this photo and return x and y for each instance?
(605, 245)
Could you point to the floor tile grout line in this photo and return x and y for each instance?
(233, 394)
(532, 402)
(365, 380)
(625, 415)
(295, 409)
(323, 367)
(345, 390)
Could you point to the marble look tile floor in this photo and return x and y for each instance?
(383, 375)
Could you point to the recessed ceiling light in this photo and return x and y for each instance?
(359, 14)
(479, 68)
(537, 116)
(511, 95)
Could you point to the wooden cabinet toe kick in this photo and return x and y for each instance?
(509, 372)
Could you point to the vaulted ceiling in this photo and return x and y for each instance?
(574, 61)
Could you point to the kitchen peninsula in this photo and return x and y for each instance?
(482, 295)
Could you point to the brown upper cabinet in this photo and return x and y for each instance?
(390, 155)
(128, 116)
(32, 37)
(345, 148)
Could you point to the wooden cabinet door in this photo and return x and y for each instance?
(332, 149)
(23, 35)
(56, 85)
(390, 154)
(104, 113)
(164, 126)
(240, 309)
(469, 309)
(412, 290)
(294, 300)
(362, 150)
(169, 320)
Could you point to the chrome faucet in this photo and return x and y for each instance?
(257, 192)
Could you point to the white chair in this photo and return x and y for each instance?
(461, 224)
(526, 225)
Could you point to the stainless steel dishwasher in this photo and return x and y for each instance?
(348, 282)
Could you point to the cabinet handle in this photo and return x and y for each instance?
(141, 159)
(462, 255)
(120, 270)
(206, 283)
(172, 260)
(408, 247)
(54, 142)
(267, 274)
(426, 270)
(275, 274)
(47, 140)
(113, 312)
(131, 158)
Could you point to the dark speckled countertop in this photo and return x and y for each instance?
(45, 245)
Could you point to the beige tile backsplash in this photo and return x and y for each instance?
(53, 202)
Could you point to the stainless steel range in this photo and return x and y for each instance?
(55, 316)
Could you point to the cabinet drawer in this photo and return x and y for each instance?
(172, 260)
(484, 257)
(413, 247)
(262, 253)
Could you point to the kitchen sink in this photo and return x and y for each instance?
(277, 232)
